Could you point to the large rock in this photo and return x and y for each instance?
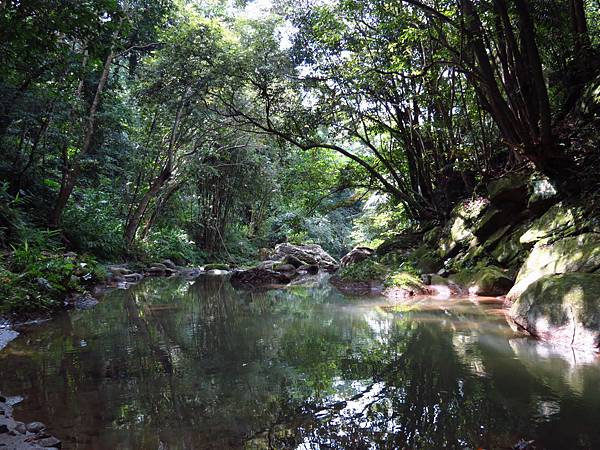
(258, 278)
(493, 220)
(509, 251)
(458, 235)
(563, 308)
(509, 192)
(572, 254)
(357, 254)
(309, 254)
(559, 220)
(486, 281)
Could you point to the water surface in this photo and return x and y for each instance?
(175, 364)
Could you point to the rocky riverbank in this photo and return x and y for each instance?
(15, 435)
(515, 240)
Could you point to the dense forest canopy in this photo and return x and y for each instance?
(191, 129)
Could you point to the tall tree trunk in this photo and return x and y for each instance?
(165, 174)
(71, 170)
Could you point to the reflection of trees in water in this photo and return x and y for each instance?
(201, 362)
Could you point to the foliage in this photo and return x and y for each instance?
(169, 243)
(365, 270)
(403, 278)
(92, 225)
(35, 279)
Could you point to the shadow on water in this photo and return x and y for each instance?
(182, 365)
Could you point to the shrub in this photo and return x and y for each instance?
(173, 244)
(365, 270)
(93, 226)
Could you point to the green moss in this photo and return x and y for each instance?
(425, 260)
(559, 221)
(402, 279)
(561, 307)
(366, 270)
(572, 254)
(483, 280)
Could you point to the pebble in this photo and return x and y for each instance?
(20, 427)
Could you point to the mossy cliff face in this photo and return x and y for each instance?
(563, 308)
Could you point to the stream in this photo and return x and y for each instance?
(179, 364)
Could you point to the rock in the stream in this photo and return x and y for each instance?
(35, 427)
(562, 308)
(357, 254)
(311, 270)
(49, 442)
(84, 301)
(402, 285)
(257, 278)
(118, 271)
(487, 281)
(572, 254)
(309, 254)
(216, 266)
(133, 277)
(6, 335)
(284, 268)
(169, 264)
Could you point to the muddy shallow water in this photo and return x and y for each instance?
(177, 364)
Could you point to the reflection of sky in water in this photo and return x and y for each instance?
(199, 365)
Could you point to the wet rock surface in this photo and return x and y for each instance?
(15, 435)
(357, 254)
(258, 278)
(562, 308)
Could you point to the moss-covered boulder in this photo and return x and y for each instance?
(510, 191)
(563, 308)
(483, 280)
(560, 220)
(401, 285)
(365, 270)
(509, 250)
(356, 255)
(458, 234)
(572, 254)
(491, 222)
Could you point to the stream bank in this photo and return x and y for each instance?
(518, 241)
